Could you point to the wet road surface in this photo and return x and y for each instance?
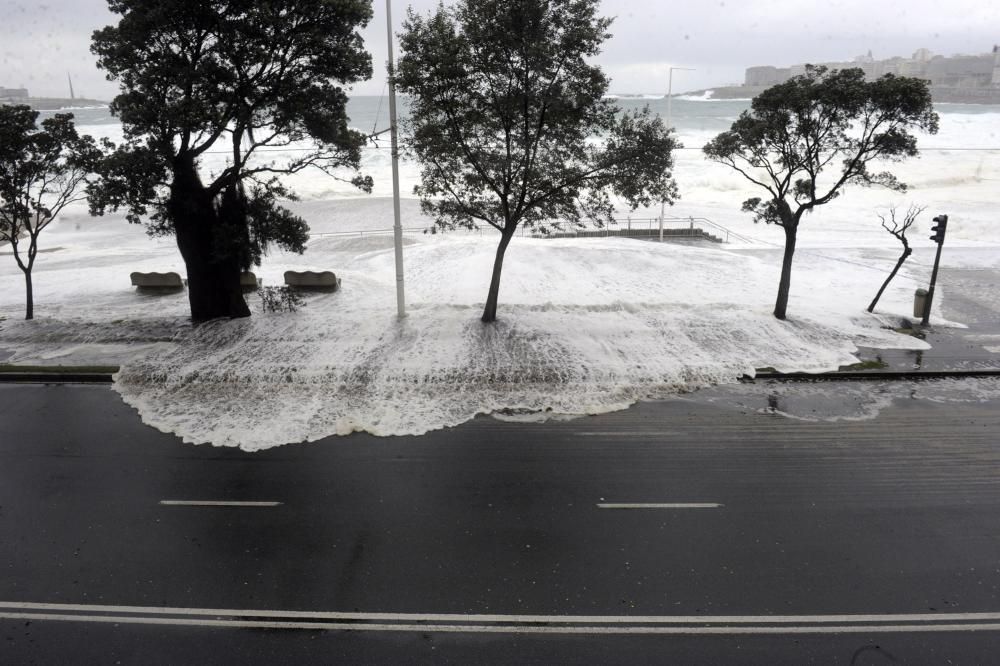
(740, 526)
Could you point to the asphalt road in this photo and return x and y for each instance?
(864, 542)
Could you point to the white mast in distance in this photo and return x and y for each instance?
(670, 94)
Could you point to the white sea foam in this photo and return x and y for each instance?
(577, 335)
(957, 173)
(586, 325)
(625, 96)
(706, 96)
(846, 401)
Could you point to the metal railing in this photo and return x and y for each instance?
(622, 224)
(651, 222)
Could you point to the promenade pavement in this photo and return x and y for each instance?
(973, 298)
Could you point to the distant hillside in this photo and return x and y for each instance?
(57, 103)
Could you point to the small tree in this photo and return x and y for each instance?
(897, 229)
(504, 107)
(41, 172)
(804, 140)
(241, 77)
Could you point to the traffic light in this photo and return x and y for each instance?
(939, 228)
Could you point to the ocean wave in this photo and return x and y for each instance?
(637, 97)
(706, 96)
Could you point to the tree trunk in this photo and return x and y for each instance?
(781, 305)
(899, 264)
(490, 311)
(212, 259)
(29, 300)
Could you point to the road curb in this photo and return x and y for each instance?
(108, 378)
(55, 378)
(881, 375)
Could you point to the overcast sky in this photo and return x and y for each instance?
(41, 41)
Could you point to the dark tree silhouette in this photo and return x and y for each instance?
(504, 104)
(804, 140)
(241, 77)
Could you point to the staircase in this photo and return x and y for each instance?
(686, 234)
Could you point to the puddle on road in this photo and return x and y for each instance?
(844, 400)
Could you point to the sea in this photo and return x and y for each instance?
(957, 172)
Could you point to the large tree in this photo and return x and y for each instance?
(243, 77)
(509, 122)
(42, 170)
(806, 139)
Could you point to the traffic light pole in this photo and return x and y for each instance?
(939, 230)
(930, 290)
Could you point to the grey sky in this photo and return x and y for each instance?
(41, 41)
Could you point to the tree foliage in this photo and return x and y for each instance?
(242, 77)
(42, 170)
(804, 140)
(509, 122)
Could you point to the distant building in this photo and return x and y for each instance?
(766, 76)
(14, 94)
(958, 72)
(865, 59)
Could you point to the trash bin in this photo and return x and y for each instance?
(919, 302)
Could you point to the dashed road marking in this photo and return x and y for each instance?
(216, 503)
(665, 505)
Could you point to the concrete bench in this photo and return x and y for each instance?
(312, 280)
(249, 281)
(157, 282)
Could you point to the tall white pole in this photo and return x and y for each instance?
(670, 87)
(670, 97)
(397, 227)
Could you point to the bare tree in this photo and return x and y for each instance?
(897, 229)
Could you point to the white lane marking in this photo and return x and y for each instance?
(215, 503)
(523, 619)
(694, 505)
(651, 433)
(511, 629)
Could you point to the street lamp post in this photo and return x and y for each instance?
(670, 92)
(397, 227)
(670, 88)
